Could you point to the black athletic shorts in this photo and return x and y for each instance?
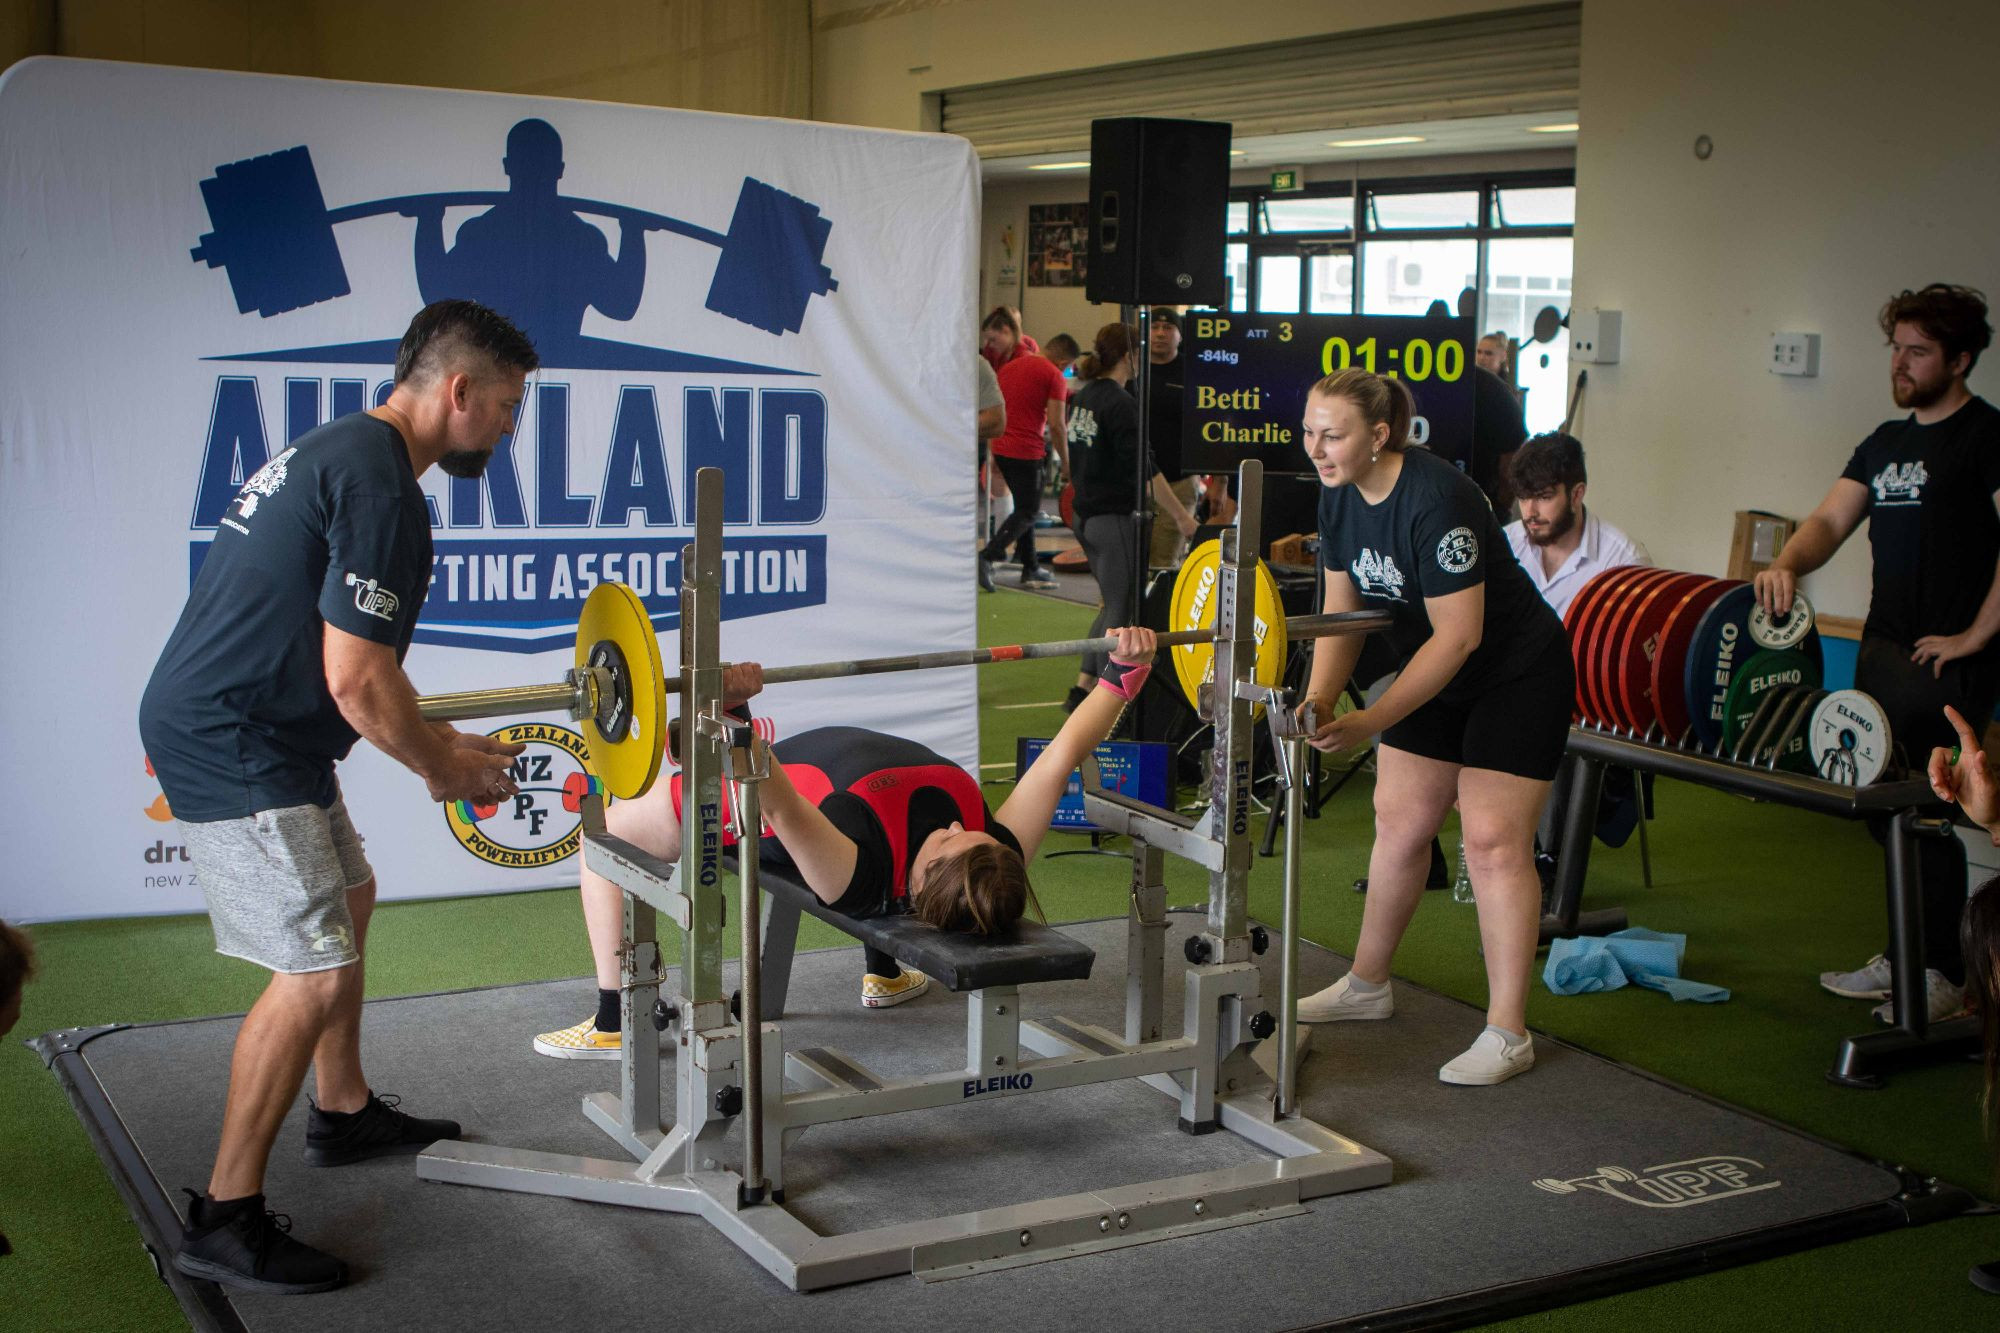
(1518, 726)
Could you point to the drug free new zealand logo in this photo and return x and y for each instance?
(518, 549)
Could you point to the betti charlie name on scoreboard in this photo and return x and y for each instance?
(1247, 377)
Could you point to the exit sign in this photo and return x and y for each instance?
(1287, 178)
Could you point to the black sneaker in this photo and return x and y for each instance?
(985, 575)
(243, 1244)
(376, 1130)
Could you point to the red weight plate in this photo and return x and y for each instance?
(1582, 616)
(1632, 665)
(1610, 629)
(1670, 658)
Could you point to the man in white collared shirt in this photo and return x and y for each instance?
(1561, 544)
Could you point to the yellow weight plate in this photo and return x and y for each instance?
(1195, 591)
(614, 615)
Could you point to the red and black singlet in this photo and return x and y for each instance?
(886, 794)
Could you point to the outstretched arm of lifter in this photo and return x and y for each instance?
(1028, 808)
(1838, 515)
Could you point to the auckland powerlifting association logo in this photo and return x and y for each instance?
(543, 822)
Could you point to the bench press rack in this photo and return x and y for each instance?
(735, 1118)
(1902, 802)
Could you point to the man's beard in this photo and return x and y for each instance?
(1917, 395)
(1558, 528)
(465, 462)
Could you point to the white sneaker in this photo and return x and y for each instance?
(1339, 1002)
(1490, 1059)
(1870, 981)
(1944, 999)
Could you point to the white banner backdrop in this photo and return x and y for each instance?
(141, 384)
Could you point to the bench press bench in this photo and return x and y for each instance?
(1027, 953)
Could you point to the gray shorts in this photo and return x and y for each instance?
(277, 882)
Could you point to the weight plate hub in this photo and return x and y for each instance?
(614, 618)
(1850, 738)
(1753, 684)
(1786, 631)
(1197, 594)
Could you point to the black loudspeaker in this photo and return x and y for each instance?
(1159, 191)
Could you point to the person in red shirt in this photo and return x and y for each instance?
(1035, 392)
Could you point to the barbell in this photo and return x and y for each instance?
(617, 689)
(274, 238)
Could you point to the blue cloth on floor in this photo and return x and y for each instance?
(1636, 957)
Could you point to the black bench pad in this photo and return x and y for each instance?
(1021, 956)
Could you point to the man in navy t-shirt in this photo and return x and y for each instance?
(1929, 486)
(290, 649)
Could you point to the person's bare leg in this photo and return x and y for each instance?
(273, 1047)
(1498, 812)
(650, 823)
(1412, 794)
(338, 1082)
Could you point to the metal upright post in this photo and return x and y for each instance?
(1229, 776)
(1142, 512)
(751, 1023)
(1288, 982)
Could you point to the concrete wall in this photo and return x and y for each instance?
(749, 56)
(1855, 147)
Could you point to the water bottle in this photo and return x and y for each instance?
(1461, 888)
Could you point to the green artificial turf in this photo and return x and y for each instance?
(1766, 896)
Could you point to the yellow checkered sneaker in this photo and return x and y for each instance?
(582, 1042)
(882, 992)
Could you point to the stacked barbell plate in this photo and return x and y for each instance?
(1757, 678)
(1580, 618)
(1669, 669)
(1632, 661)
(1850, 738)
(1610, 632)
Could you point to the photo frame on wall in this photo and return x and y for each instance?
(1058, 241)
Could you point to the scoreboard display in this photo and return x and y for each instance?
(1247, 377)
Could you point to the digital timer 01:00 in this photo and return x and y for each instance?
(1416, 359)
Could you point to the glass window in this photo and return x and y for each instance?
(1236, 275)
(1330, 284)
(1523, 277)
(1404, 277)
(1409, 212)
(1328, 213)
(1278, 284)
(1238, 217)
(1542, 206)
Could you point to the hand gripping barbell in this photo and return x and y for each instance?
(274, 237)
(618, 689)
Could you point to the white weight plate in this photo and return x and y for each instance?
(1850, 738)
(1790, 632)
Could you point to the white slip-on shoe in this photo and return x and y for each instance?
(1340, 1002)
(1489, 1060)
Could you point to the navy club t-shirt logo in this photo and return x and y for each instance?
(1458, 551)
(1901, 483)
(1377, 574)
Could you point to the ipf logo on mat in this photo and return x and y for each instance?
(1670, 1184)
(543, 822)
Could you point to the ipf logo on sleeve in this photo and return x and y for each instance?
(543, 822)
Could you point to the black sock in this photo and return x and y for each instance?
(607, 1010)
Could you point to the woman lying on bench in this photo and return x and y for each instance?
(872, 824)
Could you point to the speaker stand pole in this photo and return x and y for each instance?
(1142, 509)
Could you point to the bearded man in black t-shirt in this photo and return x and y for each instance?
(1929, 486)
(289, 650)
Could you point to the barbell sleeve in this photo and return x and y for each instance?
(570, 696)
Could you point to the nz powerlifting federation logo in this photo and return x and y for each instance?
(543, 822)
(1683, 1184)
(594, 484)
(1458, 551)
